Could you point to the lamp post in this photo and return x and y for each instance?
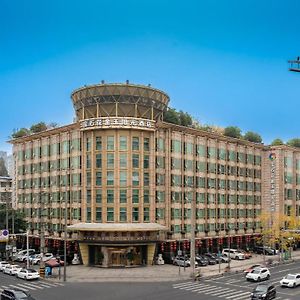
(229, 245)
(65, 236)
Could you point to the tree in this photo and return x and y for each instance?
(3, 170)
(232, 131)
(294, 142)
(38, 127)
(171, 116)
(20, 133)
(185, 119)
(252, 137)
(19, 219)
(277, 142)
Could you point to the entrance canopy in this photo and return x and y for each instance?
(123, 227)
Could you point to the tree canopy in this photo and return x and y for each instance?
(19, 219)
(34, 128)
(294, 142)
(233, 131)
(38, 127)
(277, 142)
(252, 137)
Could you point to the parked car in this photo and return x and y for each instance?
(15, 294)
(265, 250)
(246, 254)
(11, 269)
(258, 274)
(214, 257)
(201, 260)
(264, 291)
(47, 256)
(224, 258)
(35, 259)
(3, 264)
(233, 253)
(290, 280)
(183, 261)
(22, 255)
(28, 274)
(252, 267)
(54, 262)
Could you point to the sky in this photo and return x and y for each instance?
(224, 62)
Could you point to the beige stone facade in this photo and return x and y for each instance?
(119, 163)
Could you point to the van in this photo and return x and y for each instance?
(233, 253)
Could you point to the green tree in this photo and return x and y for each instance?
(171, 116)
(294, 142)
(20, 133)
(252, 137)
(277, 142)
(3, 170)
(38, 127)
(19, 219)
(232, 131)
(185, 119)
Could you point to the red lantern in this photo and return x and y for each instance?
(76, 247)
(187, 245)
(162, 247)
(174, 246)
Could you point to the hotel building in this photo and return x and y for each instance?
(128, 181)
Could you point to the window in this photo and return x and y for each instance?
(146, 197)
(98, 143)
(146, 144)
(88, 214)
(98, 178)
(146, 161)
(110, 178)
(146, 179)
(146, 214)
(201, 150)
(135, 196)
(123, 160)
(98, 196)
(135, 178)
(135, 160)
(189, 148)
(176, 146)
(110, 196)
(110, 214)
(98, 160)
(110, 160)
(123, 214)
(123, 178)
(175, 163)
(98, 214)
(222, 154)
(88, 144)
(123, 143)
(88, 161)
(110, 143)
(123, 196)
(231, 155)
(135, 143)
(160, 196)
(160, 144)
(88, 178)
(135, 214)
(211, 152)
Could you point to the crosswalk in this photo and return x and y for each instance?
(31, 286)
(215, 291)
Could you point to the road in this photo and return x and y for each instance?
(230, 287)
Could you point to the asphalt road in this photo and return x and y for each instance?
(230, 287)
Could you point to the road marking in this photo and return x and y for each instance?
(187, 287)
(16, 287)
(33, 285)
(216, 290)
(225, 290)
(231, 293)
(25, 286)
(177, 285)
(242, 297)
(197, 288)
(241, 294)
(205, 289)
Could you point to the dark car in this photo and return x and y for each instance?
(211, 261)
(202, 261)
(214, 257)
(264, 291)
(15, 294)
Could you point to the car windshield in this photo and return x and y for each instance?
(255, 271)
(261, 288)
(290, 276)
(31, 270)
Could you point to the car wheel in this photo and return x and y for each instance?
(258, 278)
(294, 285)
(268, 277)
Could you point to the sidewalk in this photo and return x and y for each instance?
(156, 273)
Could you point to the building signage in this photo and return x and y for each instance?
(117, 122)
(272, 158)
(4, 235)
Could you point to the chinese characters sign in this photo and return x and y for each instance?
(117, 122)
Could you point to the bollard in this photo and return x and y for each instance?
(42, 272)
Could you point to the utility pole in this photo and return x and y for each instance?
(42, 228)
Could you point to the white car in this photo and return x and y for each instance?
(3, 264)
(28, 274)
(258, 274)
(11, 269)
(234, 254)
(290, 280)
(47, 256)
(35, 259)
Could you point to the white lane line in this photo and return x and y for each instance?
(231, 293)
(27, 287)
(57, 283)
(17, 287)
(225, 290)
(242, 297)
(241, 294)
(35, 286)
(46, 286)
(182, 283)
(185, 284)
(216, 290)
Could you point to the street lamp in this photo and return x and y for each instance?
(227, 230)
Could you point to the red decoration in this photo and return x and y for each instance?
(162, 247)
